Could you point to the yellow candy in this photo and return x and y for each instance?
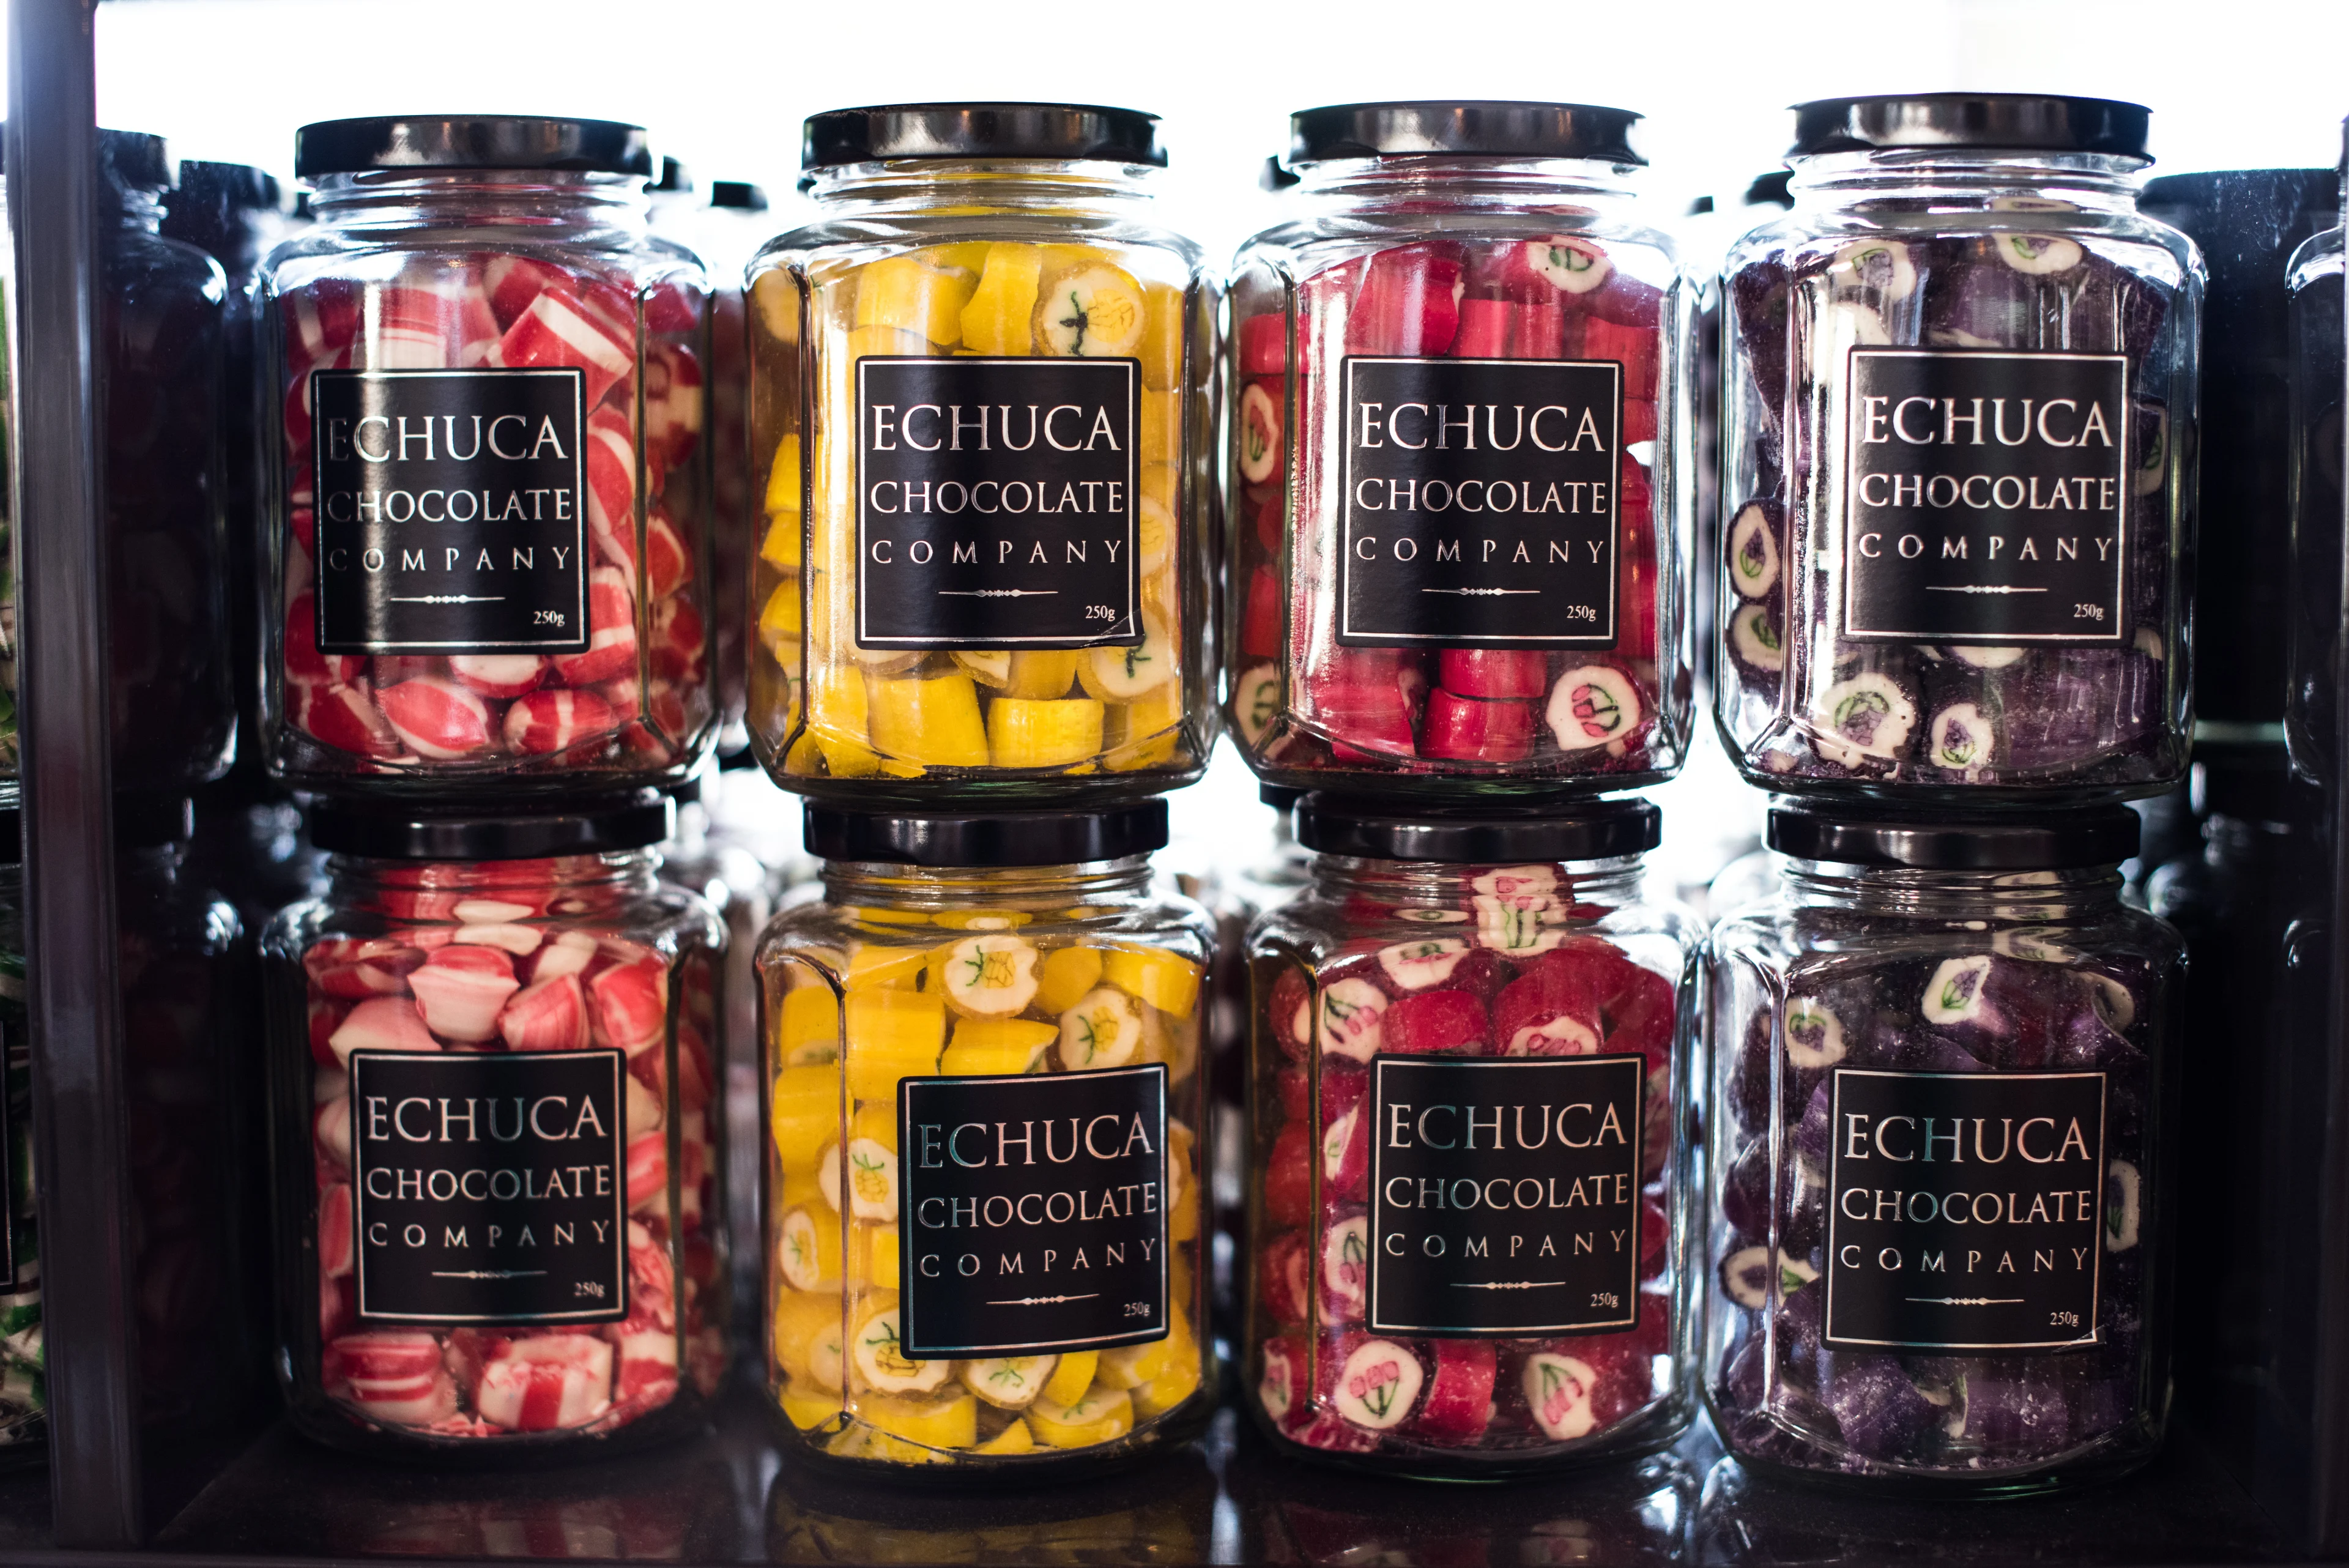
(1162, 335)
(1095, 311)
(1154, 537)
(836, 719)
(930, 722)
(873, 1254)
(1043, 674)
(868, 341)
(897, 770)
(777, 299)
(1142, 733)
(1028, 732)
(969, 257)
(988, 666)
(1101, 1416)
(1132, 1365)
(903, 293)
(990, 975)
(807, 1027)
(779, 623)
(1065, 976)
(892, 1035)
(808, 1250)
(872, 967)
(982, 919)
(862, 1442)
(807, 1338)
(1071, 1377)
(805, 1114)
(1163, 1393)
(799, 1189)
(783, 480)
(876, 1121)
(781, 545)
(1000, 317)
(1162, 428)
(1015, 1439)
(950, 1421)
(1168, 982)
(997, 1047)
(1160, 483)
(808, 1410)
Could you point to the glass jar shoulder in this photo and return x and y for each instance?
(831, 935)
(164, 266)
(1491, 242)
(669, 920)
(1784, 934)
(1320, 928)
(383, 254)
(2318, 257)
(2013, 233)
(959, 237)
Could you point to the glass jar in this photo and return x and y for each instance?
(164, 379)
(968, 996)
(1987, 985)
(1916, 601)
(1482, 260)
(982, 407)
(553, 1283)
(1418, 1302)
(24, 1367)
(493, 569)
(2312, 704)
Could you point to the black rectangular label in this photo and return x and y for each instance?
(1965, 1209)
(489, 1187)
(1032, 1212)
(1505, 1194)
(451, 510)
(1480, 502)
(1983, 496)
(996, 501)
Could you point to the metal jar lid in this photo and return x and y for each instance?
(1987, 121)
(882, 133)
(456, 141)
(1464, 128)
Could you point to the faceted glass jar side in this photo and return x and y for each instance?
(2312, 704)
(996, 618)
(1421, 1303)
(492, 567)
(1038, 988)
(1507, 611)
(1915, 601)
(451, 1271)
(1974, 1347)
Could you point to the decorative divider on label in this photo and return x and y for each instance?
(1965, 1211)
(1984, 496)
(1032, 1212)
(1481, 504)
(451, 510)
(1505, 1194)
(489, 1187)
(996, 501)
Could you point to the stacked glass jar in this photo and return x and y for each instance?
(1459, 492)
(496, 1039)
(982, 412)
(1959, 394)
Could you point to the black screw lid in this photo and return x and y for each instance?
(1280, 797)
(674, 177)
(135, 159)
(737, 194)
(397, 831)
(1589, 830)
(1770, 189)
(954, 840)
(233, 187)
(469, 142)
(2097, 835)
(886, 132)
(2011, 122)
(1467, 128)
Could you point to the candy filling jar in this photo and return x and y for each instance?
(1958, 431)
(981, 405)
(1432, 1290)
(492, 555)
(1938, 1174)
(1460, 475)
(494, 1065)
(985, 1211)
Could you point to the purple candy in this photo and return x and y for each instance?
(2008, 1419)
(1882, 1415)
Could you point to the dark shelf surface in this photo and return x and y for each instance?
(728, 1498)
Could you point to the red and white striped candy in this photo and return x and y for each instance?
(648, 1369)
(631, 1004)
(546, 721)
(382, 1356)
(512, 281)
(666, 562)
(678, 639)
(303, 660)
(326, 1017)
(437, 717)
(559, 329)
(644, 1106)
(611, 487)
(341, 717)
(647, 1169)
(549, 1015)
(332, 1128)
(652, 1290)
(546, 1383)
(382, 1024)
(569, 953)
(403, 328)
(408, 1402)
(499, 675)
(335, 1231)
(612, 639)
(320, 320)
(334, 1306)
(359, 969)
(462, 989)
(519, 940)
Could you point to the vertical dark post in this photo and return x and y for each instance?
(52, 171)
(2328, 1462)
